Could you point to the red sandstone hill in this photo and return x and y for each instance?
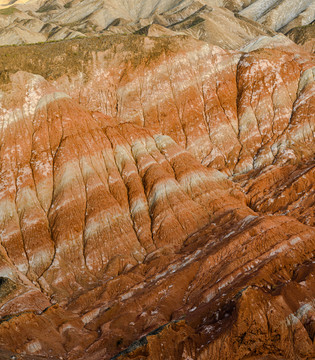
(157, 200)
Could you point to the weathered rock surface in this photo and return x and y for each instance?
(229, 24)
(304, 36)
(157, 200)
(280, 14)
(232, 111)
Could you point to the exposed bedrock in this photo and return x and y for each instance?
(157, 200)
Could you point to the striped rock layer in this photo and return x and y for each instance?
(157, 201)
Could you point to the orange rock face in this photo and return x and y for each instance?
(158, 203)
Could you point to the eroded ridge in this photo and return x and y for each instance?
(159, 202)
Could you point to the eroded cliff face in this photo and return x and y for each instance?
(157, 197)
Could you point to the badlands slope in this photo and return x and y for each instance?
(157, 185)
(229, 24)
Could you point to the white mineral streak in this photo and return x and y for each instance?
(161, 191)
(33, 100)
(302, 312)
(177, 75)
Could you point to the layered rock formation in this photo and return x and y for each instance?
(229, 24)
(157, 194)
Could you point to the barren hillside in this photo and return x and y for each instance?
(157, 181)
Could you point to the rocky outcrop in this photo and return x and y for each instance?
(232, 111)
(156, 200)
(108, 180)
(304, 36)
(280, 14)
(228, 24)
(211, 20)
